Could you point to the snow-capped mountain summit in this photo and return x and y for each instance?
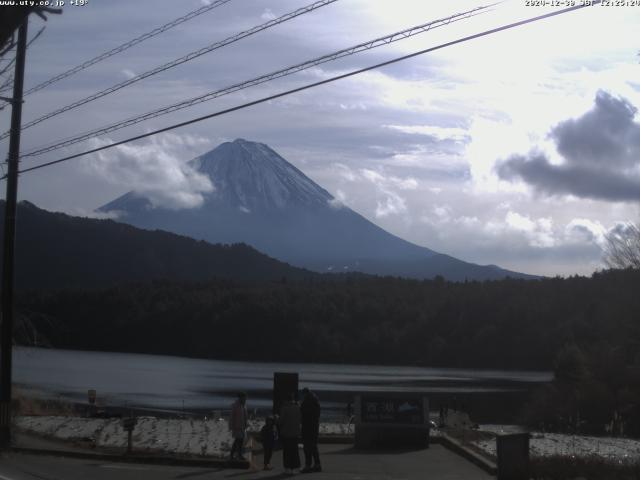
(262, 200)
(252, 176)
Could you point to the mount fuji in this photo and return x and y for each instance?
(261, 199)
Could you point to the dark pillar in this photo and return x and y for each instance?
(284, 384)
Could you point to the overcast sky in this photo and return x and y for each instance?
(521, 149)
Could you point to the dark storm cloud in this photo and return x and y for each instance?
(578, 180)
(601, 150)
(606, 135)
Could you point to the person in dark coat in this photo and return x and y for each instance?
(289, 428)
(310, 410)
(268, 436)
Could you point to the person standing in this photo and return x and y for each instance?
(238, 422)
(289, 426)
(310, 410)
(268, 435)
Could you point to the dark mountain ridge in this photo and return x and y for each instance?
(55, 250)
(262, 200)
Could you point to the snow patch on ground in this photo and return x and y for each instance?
(549, 444)
(175, 436)
(203, 437)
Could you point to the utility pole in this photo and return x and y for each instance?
(6, 330)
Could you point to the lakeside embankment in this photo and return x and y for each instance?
(210, 437)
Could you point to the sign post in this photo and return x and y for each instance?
(91, 398)
(128, 424)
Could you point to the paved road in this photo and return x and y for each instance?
(339, 462)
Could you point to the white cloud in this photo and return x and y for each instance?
(393, 204)
(353, 106)
(424, 157)
(344, 172)
(383, 180)
(128, 74)
(469, 222)
(439, 133)
(156, 170)
(268, 15)
(443, 212)
(387, 185)
(519, 222)
(583, 230)
(81, 212)
(537, 233)
(338, 201)
(408, 183)
(373, 176)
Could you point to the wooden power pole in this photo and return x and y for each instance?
(6, 329)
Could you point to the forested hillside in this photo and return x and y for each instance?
(54, 250)
(501, 324)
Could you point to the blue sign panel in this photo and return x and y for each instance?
(392, 410)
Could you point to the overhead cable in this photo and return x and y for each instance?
(311, 85)
(409, 32)
(178, 61)
(8, 83)
(126, 45)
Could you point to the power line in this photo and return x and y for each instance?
(6, 84)
(311, 85)
(6, 68)
(12, 61)
(409, 32)
(9, 80)
(127, 45)
(179, 61)
(11, 43)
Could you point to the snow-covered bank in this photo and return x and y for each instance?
(186, 437)
(211, 437)
(203, 437)
(551, 444)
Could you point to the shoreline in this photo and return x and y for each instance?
(533, 371)
(500, 407)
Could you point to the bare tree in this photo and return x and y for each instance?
(622, 249)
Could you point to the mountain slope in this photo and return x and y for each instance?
(54, 250)
(263, 200)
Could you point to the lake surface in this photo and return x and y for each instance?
(176, 384)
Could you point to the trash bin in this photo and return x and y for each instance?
(513, 456)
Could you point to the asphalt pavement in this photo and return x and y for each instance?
(339, 461)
